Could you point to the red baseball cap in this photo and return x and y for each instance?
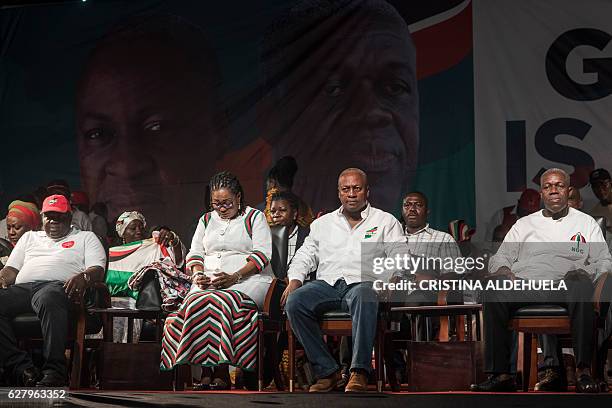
(56, 203)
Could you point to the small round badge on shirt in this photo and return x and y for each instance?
(68, 244)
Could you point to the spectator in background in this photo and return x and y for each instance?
(148, 137)
(499, 233)
(601, 184)
(423, 240)
(285, 211)
(29, 201)
(462, 233)
(79, 218)
(280, 179)
(342, 92)
(22, 217)
(428, 243)
(528, 203)
(79, 200)
(99, 222)
(574, 199)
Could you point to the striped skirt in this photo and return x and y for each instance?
(211, 327)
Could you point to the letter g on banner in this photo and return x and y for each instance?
(556, 69)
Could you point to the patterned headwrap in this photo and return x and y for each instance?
(26, 212)
(124, 220)
(460, 230)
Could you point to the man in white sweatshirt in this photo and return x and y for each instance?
(558, 244)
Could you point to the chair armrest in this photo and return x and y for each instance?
(271, 306)
(102, 292)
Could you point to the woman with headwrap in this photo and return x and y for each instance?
(229, 261)
(22, 217)
(139, 254)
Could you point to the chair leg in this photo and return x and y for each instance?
(278, 346)
(379, 358)
(533, 362)
(260, 356)
(460, 327)
(78, 352)
(388, 356)
(291, 347)
(528, 341)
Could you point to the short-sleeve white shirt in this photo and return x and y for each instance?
(40, 258)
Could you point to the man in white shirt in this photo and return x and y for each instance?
(423, 240)
(341, 247)
(558, 244)
(44, 271)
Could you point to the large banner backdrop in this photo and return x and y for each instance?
(138, 103)
(542, 89)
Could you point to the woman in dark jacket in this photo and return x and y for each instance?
(284, 210)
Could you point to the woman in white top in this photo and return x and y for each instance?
(229, 260)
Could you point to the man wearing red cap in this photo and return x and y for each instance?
(44, 271)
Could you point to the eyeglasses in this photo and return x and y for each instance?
(226, 205)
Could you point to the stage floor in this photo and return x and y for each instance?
(336, 399)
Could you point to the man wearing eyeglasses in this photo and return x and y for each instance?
(340, 248)
(44, 271)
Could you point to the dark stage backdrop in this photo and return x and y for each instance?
(138, 103)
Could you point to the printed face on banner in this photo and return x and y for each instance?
(349, 101)
(146, 127)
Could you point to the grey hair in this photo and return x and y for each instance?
(557, 171)
(352, 170)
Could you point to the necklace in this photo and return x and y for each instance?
(224, 230)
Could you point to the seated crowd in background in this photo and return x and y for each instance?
(221, 282)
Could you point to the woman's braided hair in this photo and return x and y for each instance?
(227, 180)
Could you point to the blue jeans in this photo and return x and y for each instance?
(306, 305)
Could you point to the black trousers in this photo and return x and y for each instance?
(499, 306)
(50, 302)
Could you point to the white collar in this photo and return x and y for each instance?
(424, 229)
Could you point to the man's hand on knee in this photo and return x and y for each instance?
(292, 286)
(75, 286)
(7, 276)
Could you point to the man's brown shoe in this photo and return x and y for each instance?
(357, 383)
(325, 384)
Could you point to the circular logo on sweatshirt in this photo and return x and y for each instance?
(68, 244)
